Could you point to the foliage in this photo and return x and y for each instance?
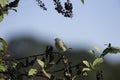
(66, 10)
(5, 6)
(110, 49)
(13, 68)
(82, 1)
(32, 72)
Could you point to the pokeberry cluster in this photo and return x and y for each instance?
(66, 10)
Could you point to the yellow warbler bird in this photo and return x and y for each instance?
(60, 45)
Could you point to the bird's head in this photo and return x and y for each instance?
(57, 39)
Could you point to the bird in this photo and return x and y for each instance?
(60, 45)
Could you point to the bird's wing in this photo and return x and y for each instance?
(65, 45)
(58, 46)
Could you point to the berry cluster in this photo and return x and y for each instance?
(66, 10)
(41, 4)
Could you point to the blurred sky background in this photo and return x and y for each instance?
(97, 22)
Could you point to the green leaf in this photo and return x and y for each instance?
(97, 62)
(86, 69)
(48, 75)
(1, 18)
(97, 49)
(32, 72)
(41, 63)
(4, 45)
(3, 3)
(86, 63)
(3, 67)
(82, 1)
(111, 49)
(74, 77)
(91, 51)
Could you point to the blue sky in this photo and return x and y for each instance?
(95, 23)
